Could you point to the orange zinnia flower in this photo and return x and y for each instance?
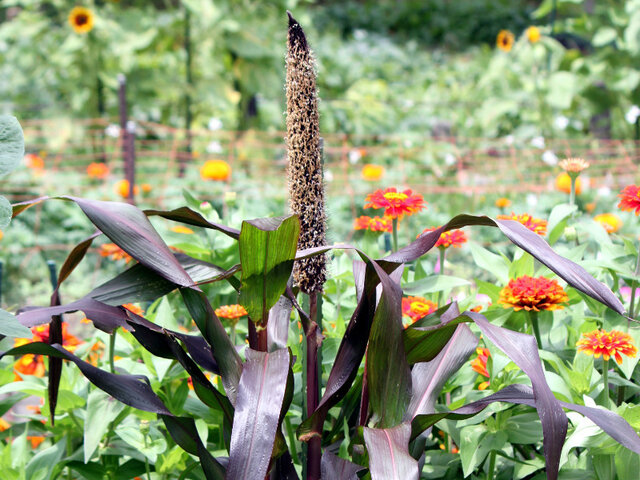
(146, 188)
(122, 188)
(417, 307)
(396, 204)
(607, 344)
(98, 170)
(610, 222)
(451, 238)
(372, 172)
(375, 224)
(31, 364)
(630, 199)
(114, 252)
(182, 229)
(504, 41)
(480, 363)
(536, 225)
(231, 311)
(4, 425)
(81, 20)
(563, 183)
(215, 170)
(35, 440)
(33, 161)
(503, 202)
(530, 293)
(134, 308)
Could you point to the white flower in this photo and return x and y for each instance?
(561, 122)
(112, 130)
(604, 191)
(354, 156)
(214, 147)
(632, 114)
(328, 176)
(449, 159)
(537, 142)
(549, 158)
(214, 124)
(577, 124)
(509, 139)
(532, 199)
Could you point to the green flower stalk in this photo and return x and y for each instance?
(306, 188)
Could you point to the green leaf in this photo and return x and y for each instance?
(562, 87)
(6, 211)
(101, 411)
(434, 283)
(41, 466)
(556, 224)
(476, 441)
(521, 266)
(627, 464)
(11, 144)
(489, 261)
(10, 327)
(267, 249)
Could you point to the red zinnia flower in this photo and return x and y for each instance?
(480, 363)
(630, 199)
(231, 311)
(607, 344)
(536, 225)
(531, 293)
(451, 238)
(417, 307)
(396, 204)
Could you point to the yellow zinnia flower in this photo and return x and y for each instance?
(215, 170)
(610, 222)
(81, 20)
(533, 34)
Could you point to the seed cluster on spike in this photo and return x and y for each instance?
(630, 199)
(608, 344)
(533, 293)
(451, 238)
(396, 204)
(536, 225)
(306, 188)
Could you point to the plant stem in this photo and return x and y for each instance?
(314, 452)
(492, 465)
(634, 285)
(395, 234)
(605, 382)
(442, 253)
(572, 195)
(112, 350)
(620, 395)
(533, 318)
(292, 440)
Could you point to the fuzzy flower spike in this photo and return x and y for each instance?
(306, 189)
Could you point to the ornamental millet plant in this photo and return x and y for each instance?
(405, 370)
(306, 200)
